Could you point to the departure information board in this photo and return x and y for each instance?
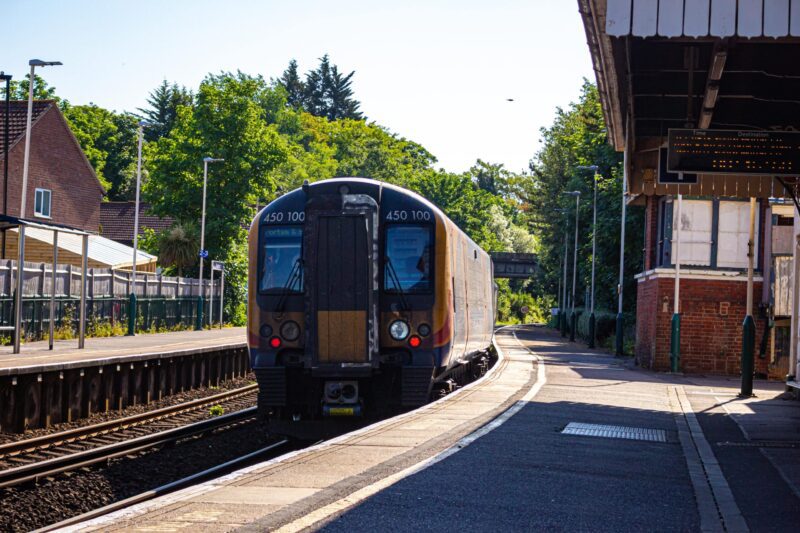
(770, 153)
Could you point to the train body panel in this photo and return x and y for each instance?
(361, 296)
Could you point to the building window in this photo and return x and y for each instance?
(714, 233)
(41, 206)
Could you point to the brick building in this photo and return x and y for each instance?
(62, 185)
(714, 235)
(117, 221)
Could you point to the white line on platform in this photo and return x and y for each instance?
(360, 495)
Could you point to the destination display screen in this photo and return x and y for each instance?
(768, 153)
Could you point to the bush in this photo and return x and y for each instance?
(605, 324)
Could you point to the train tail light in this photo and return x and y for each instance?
(275, 342)
(414, 341)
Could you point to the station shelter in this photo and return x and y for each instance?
(703, 98)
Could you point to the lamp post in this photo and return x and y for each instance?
(199, 322)
(562, 285)
(21, 236)
(132, 301)
(573, 321)
(594, 249)
(7, 78)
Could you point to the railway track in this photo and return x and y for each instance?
(48, 455)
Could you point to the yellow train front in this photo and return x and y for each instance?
(363, 299)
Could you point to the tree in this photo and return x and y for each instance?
(578, 137)
(19, 89)
(178, 246)
(227, 121)
(109, 141)
(294, 86)
(164, 102)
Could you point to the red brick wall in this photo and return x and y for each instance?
(58, 164)
(711, 337)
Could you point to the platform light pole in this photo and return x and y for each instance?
(21, 230)
(7, 78)
(749, 325)
(562, 286)
(203, 253)
(132, 300)
(593, 168)
(573, 318)
(620, 344)
(675, 333)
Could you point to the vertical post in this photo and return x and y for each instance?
(84, 268)
(564, 299)
(620, 348)
(199, 322)
(573, 321)
(132, 297)
(53, 289)
(793, 366)
(27, 154)
(749, 325)
(5, 151)
(211, 297)
(675, 337)
(221, 295)
(594, 254)
(18, 295)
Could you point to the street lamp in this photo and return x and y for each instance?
(577, 195)
(203, 253)
(562, 286)
(6, 78)
(132, 301)
(26, 159)
(21, 230)
(593, 168)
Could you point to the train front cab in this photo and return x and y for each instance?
(350, 312)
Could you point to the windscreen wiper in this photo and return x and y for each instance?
(396, 282)
(294, 276)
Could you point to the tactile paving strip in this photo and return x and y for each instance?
(615, 432)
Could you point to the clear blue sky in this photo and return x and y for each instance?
(437, 72)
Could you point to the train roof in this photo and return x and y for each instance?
(291, 195)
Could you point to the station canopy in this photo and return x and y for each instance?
(695, 64)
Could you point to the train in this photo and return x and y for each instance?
(364, 299)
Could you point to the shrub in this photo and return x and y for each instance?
(216, 410)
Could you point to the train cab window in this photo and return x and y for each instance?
(281, 264)
(408, 259)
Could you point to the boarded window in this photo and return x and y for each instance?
(734, 232)
(695, 226)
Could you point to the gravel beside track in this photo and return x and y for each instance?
(175, 399)
(30, 506)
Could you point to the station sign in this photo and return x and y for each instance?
(217, 265)
(763, 153)
(666, 177)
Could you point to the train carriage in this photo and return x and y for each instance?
(363, 298)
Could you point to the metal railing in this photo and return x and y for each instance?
(164, 302)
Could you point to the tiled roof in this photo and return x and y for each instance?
(116, 220)
(18, 119)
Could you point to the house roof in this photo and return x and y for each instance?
(101, 249)
(18, 118)
(117, 218)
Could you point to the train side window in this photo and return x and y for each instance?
(281, 260)
(408, 259)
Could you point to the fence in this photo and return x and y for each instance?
(162, 301)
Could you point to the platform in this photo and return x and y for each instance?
(40, 387)
(494, 456)
(37, 357)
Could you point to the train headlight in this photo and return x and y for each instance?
(399, 330)
(424, 330)
(266, 331)
(290, 331)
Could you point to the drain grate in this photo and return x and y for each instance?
(615, 432)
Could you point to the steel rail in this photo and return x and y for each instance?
(58, 465)
(160, 491)
(109, 426)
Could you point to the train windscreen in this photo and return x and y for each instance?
(281, 266)
(408, 259)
